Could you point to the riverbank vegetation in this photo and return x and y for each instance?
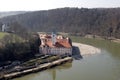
(2, 34)
(19, 45)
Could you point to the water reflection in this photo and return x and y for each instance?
(49, 74)
(53, 72)
(76, 53)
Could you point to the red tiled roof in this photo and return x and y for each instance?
(48, 36)
(60, 43)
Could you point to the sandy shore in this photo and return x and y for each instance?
(86, 49)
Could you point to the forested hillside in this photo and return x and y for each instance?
(4, 14)
(99, 21)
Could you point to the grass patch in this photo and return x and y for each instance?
(2, 34)
(14, 37)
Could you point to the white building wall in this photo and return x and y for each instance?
(59, 51)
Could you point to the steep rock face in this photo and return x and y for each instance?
(103, 22)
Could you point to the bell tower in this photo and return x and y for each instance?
(53, 38)
(3, 28)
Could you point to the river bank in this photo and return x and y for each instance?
(85, 49)
(36, 68)
(113, 39)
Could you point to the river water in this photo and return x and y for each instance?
(102, 66)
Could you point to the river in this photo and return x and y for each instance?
(103, 66)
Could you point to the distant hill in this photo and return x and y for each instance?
(98, 21)
(5, 14)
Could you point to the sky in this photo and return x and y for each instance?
(33, 5)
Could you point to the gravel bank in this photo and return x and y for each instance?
(86, 49)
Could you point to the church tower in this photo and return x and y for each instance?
(53, 38)
(3, 28)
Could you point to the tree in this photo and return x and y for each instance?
(0, 26)
(110, 31)
(19, 30)
(117, 31)
(35, 42)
